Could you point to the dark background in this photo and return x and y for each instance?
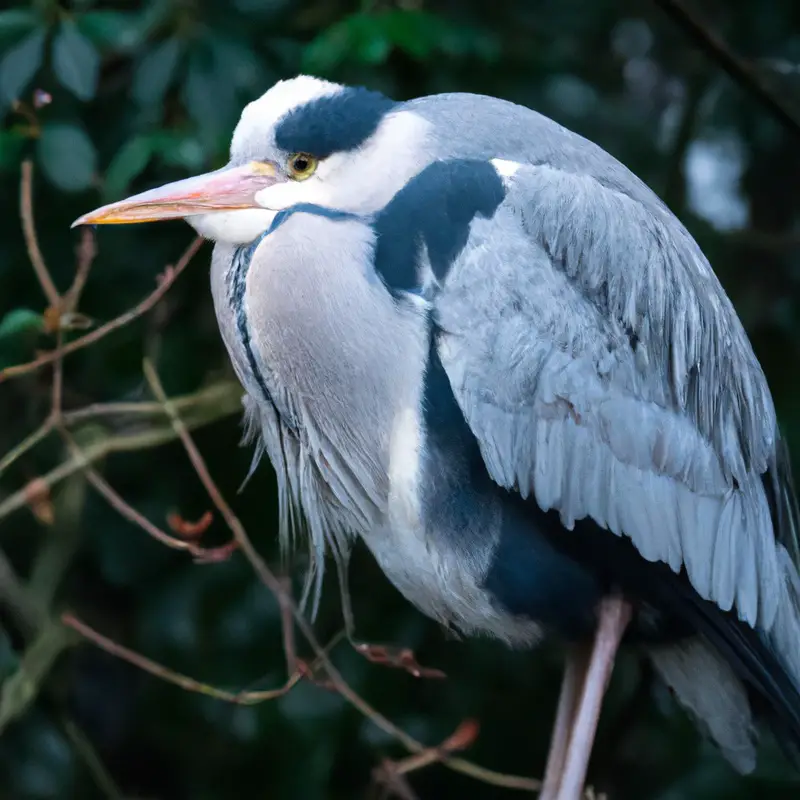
(143, 94)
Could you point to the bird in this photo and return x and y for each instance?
(476, 341)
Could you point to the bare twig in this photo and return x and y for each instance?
(737, 68)
(31, 242)
(42, 432)
(218, 393)
(26, 611)
(86, 253)
(287, 626)
(273, 583)
(167, 279)
(165, 674)
(57, 389)
(100, 775)
(118, 443)
(128, 512)
(460, 739)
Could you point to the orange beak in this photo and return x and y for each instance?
(226, 189)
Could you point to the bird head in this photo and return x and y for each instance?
(305, 141)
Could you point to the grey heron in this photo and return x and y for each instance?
(477, 341)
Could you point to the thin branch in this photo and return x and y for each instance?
(31, 242)
(119, 443)
(738, 69)
(100, 775)
(214, 395)
(57, 389)
(176, 678)
(86, 253)
(273, 583)
(129, 513)
(287, 626)
(167, 279)
(42, 432)
(27, 612)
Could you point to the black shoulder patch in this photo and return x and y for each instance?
(333, 124)
(435, 208)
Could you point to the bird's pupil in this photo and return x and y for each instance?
(301, 164)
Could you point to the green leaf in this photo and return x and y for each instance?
(19, 65)
(67, 157)
(414, 32)
(372, 44)
(75, 61)
(156, 71)
(16, 21)
(129, 162)
(20, 321)
(120, 31)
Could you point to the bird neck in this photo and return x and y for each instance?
(316, 335)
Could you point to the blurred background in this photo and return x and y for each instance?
(107, 98)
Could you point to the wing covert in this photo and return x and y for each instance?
(603, 371)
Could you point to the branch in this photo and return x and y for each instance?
(176, 678)
(737, 68)
(42, 432)
(167, 279)
(128, 512)
(118, 443)
(31, 242)
(100, 775)
(226, 393)
(86, 252)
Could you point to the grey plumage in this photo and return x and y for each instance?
(477, 341)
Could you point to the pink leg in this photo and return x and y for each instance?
(571, 687)
(614, 615)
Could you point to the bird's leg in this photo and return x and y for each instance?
(385, 654)
(614, 614)
(571, 687)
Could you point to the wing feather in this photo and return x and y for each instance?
(603, 371)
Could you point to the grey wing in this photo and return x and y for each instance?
(603, 371)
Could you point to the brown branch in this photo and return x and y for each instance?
(29, 231)
(42, 432)
(273, 583)
(128, 512)
(57, 389)
(120, 443)
(176, 678)
(287, 625)
(212, 395)
(463, 737)
(86, 253)
(737, 68)
(100, 775)
(167, 279)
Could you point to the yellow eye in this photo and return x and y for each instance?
(302, 166)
